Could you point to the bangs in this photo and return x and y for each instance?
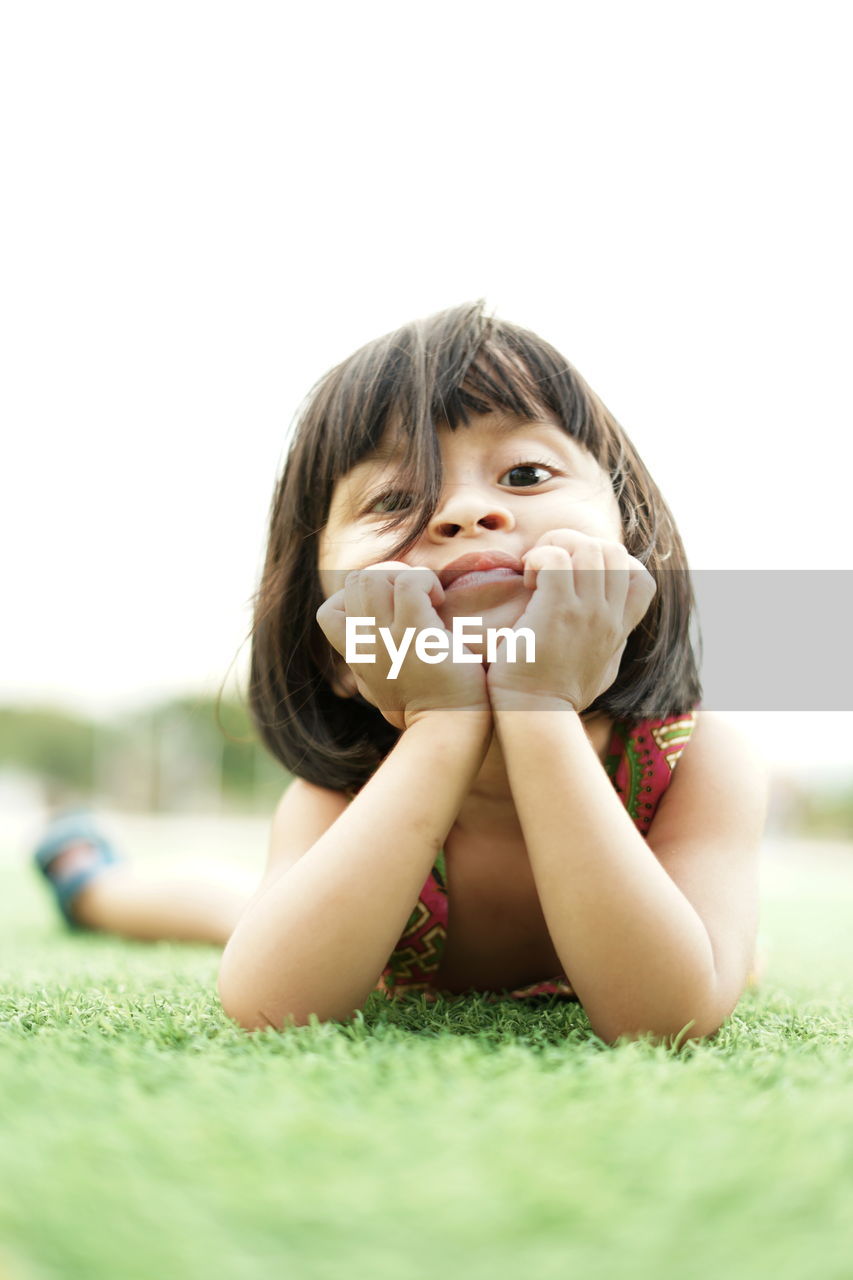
(388, 400)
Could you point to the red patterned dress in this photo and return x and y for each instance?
(639, 761)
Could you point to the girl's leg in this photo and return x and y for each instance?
(203, 906)
(201, 909)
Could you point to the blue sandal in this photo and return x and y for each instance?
(76, 826)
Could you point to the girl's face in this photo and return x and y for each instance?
(506, 482)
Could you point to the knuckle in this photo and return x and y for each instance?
(556, 555)
(412, 579)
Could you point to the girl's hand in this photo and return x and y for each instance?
(581, 616)
(398, 597)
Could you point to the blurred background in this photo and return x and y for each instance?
(209, 206)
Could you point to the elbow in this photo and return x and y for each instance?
(697, 1017)
(671, 1039)
(247, 1020)
(249, 1017)
(673, 1033)
(238, 1004)
(241, 1003)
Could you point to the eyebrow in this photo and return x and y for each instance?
(503, 428)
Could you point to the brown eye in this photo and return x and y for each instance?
(391, 500)
(526, 469)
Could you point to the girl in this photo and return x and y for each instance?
(596, 834)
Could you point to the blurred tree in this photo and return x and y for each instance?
(55, 745)
(193, 753)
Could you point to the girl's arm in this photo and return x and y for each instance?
(317, 940)
(658, 933)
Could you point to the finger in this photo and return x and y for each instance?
(331, 618)
(376, 591)
(413, 605)
(333, 604)
(642, 589)
(356, 589)
(588, 567)
(353, 595)
(553, 559)
(617, 575)
(424, 580)
(390, 570)
(567, 538)
(588, 561)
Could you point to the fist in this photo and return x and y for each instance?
(581, 616)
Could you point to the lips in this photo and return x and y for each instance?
(478, 561)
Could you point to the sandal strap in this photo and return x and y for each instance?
(68, 829)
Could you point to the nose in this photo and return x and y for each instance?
(466, 508)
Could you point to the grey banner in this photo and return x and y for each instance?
(775, 640)
(771, 640)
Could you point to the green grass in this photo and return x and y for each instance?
(143, 1135)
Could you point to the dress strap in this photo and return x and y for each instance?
(640, 761)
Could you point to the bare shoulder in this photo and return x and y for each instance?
(304, 811)
(303, 797)
(722, 752)
(303, 814)
(720, 783)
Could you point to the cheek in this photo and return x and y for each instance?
(611, 519)
(334, 559)
(332, 571)
(322, 570)
(616, 531)
(590, 514)
(332, 580)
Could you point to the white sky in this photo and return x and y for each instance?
(208, 205)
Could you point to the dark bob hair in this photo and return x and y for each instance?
(426, 374)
